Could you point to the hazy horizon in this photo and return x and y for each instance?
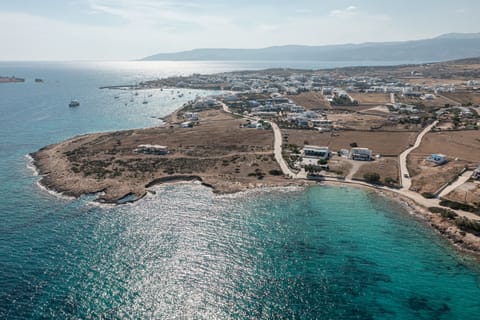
(100, 30)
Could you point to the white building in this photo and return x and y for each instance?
(192, 116)
(321, 123)
(361, 154)
(152, 149)
(437, 158)
(316, 152)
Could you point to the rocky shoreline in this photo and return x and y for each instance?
(52, 187)
(218, 153)
(214, 153)
(464, 242)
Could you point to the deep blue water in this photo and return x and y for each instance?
(319, 253)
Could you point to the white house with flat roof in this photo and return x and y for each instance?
(316, 152)
(437, 158)
(152, 149)
(361, 154)
(321, 123)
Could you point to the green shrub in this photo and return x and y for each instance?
(389, 181)
(371, 177)
(275, 172)
(428, 195)
(322, 162)
(459, 206)
(444, 213)
(258, 173)
(468, 225)
(312, 168)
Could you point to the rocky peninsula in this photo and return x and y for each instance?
(254, 138)
(217, 152)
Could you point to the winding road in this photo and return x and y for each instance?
(406, 182)
(277, 147)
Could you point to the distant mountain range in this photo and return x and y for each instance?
(445, 47)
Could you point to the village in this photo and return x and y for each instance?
(394, 130)
(341, 125)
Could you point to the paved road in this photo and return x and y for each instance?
(404, 191)
(277, 147)
(461, 180)
(224, 107)
(392, 98)
(406, 182)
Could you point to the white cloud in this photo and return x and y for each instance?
(157, 13)
(345, 13)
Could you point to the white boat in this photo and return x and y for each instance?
(74, 103)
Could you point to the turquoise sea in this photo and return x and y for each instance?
(185, 253)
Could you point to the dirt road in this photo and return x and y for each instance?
(277, 147)
(461, 180)
(404, 175)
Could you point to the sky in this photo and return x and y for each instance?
(65, 30)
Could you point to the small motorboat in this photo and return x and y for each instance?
(74, 103)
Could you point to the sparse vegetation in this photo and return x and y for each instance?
(468, 225)
(343, 101)
(372, 177)
(275, 172)
(460, 206)
(428, 195)
(444, 213)
(389, 181)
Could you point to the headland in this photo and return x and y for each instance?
(12, 79)
(409, 132)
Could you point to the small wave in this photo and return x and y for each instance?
(101, 205)
(31, 165)
(54, 193)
